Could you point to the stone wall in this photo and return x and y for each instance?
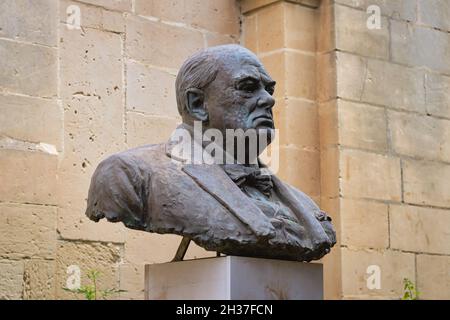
(70, 97)
(364, 119)
(385, 116)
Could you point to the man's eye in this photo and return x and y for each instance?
(248, 87)
(270, 90)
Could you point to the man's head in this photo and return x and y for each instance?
(225, 87)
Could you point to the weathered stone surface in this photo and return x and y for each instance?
(394, 267)
(364, 224)
(353, 35)
(284, 66)
(300, 168)
(368, 175)
(29, 176)
(216, 39)
(284, 25)
(271, 28)
(249, 33)
(163, 248)
(434, 13)
(139, 126)
(420, 136)
(150, 90)
(11, 284)
(102, 257)
(31, 119)
(437, 93)
(28, 231)
(329, 172)
(420, 229)
(29, 21)
(301, 27)
(326, 77)
(250, 5)
(28, 69)
(433, 280)
(412, 44)
(160, 44)
(326, 39)
(362, 126)
(396, 9)
(39, 279)
(297, 121)
(328, 124)
(92, 16)
(173, 10)
(121, 5)
(132, 280)
(426, 183)
(219, 16)
(94, 124)
(380, 82)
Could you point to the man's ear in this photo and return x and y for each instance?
(196, 104)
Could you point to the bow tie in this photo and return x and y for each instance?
(249, 176)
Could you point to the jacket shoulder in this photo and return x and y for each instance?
(119, 186)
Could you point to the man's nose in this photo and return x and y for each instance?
(265, 100)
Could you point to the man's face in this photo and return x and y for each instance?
(241, 95)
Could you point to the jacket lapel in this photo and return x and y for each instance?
(304, 209)
(216, 182)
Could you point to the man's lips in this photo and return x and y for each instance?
(263, 121)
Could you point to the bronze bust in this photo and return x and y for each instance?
(232, 208)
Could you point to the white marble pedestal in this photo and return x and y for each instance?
(234, 278)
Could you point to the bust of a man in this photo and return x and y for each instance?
(226, 200)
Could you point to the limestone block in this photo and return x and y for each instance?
(420, 229)
(30, 21)
(31, 119)
(28, 176)
(369, 175)
(380, 82)
(434, 13)
(39, 279)
(426, 183)
(420, 136)
(150, 90)
(433, 278)
(329, 172)
(92, 16)
(102, 257)
(300, 168)
(119, 5)
(216, 39)
(412, 45)
(27, 231)
(220, 16)
(362, 126)
(11, 275)
(297, 121)
(352, 34)
(396, 9)
(143, 129)
(394, 266)
(437, 89)
(28, 69)
(364, 224)
(159, 44)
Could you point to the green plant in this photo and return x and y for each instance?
(91, 292)
(409, 290)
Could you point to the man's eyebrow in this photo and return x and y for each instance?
(247, 78)
(268, 81)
